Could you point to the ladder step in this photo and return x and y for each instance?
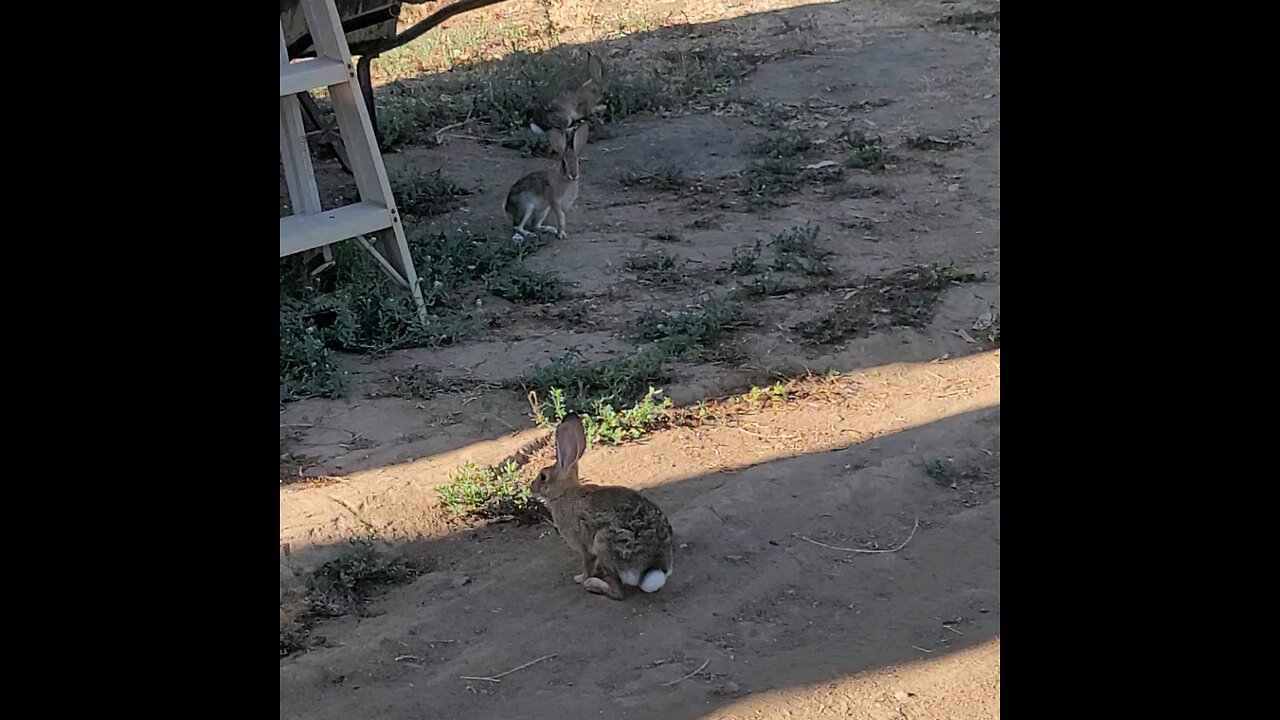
(311, 73)
(304, 232)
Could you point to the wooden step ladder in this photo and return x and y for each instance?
(310, 227)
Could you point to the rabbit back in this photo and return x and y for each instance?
(629, 534)
(536, 189)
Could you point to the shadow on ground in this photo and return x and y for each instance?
(751, 603)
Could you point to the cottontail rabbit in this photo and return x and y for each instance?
(542, 191)
(624, 538)
(575, 104)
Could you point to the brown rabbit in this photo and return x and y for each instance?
(576, 104)
(623, 538)
(542, 191)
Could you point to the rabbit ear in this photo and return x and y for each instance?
(580, 139)
(571, 442)
(556, 137)
(595, 67)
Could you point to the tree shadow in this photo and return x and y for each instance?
(752, 606)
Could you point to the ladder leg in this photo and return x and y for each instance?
(295, 153)
(362, 147)
(328, 132)
(365, 78)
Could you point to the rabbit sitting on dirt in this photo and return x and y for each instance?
(623, 538)
(542, 191)
(573, 105)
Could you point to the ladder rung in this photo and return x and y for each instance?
(303, 232)
(311, 73)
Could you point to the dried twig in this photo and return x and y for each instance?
(860, 550)
(499, 676)
(451, 126)
(686, 677)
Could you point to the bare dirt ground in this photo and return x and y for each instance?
(759, 620)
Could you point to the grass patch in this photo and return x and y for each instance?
(529, 143)
(654, 412)
(782, 144)
(307, 367)
(745, 258)
(765, 285)
(576, 312)
(769, 395)
(587, 386)
(908, 298)
(341, 586)
(764, 183)
(873, 159)
(942, 472)
(345, 583)
(525, 286)
(672, 80)
(604, 425)
(796, 249)
(470, 39)
(688, 334)
(354, 308)
(571, 384)
(770, 178)
(950, 474)
(856, 191)
(974, 20)
(453, 259)
(488, 493)
(658, 267)
(868, 151)
(427, 194)
(502, 96)
(607, 427)
(935, 142)
(398, 125)
(670, 179)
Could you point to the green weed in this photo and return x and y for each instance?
(689, 333)
(908, 297)
(346, 582)
(796, 249)
(783, 144)
(486, 492)
(427, 194)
